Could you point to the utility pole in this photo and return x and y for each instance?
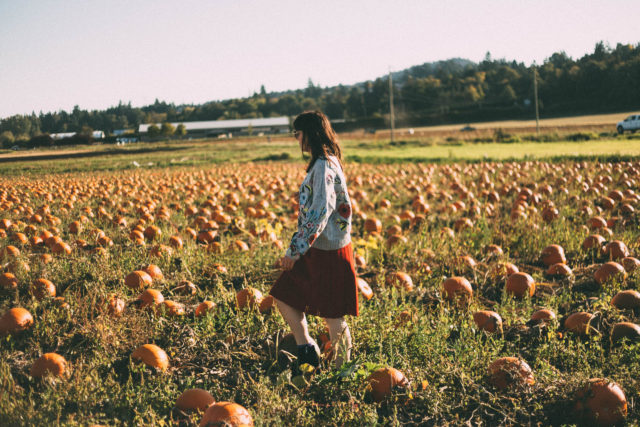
(393, 125)
(535, 94)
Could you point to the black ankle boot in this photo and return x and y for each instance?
(307, 354)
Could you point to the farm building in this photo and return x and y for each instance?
(215, 128)
(96, 134)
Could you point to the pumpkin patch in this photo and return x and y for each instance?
(482, 284)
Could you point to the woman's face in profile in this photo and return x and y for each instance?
(300, 137)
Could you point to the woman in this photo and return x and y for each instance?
(319, 273)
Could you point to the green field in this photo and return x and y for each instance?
(192, 153)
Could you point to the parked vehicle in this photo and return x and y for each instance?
(631, 124)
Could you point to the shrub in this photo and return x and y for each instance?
(581, 136)
(43, 140)
(7, 139)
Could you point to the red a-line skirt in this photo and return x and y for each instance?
(321, 283)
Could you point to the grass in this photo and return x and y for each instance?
(232, 353)
(372, 150)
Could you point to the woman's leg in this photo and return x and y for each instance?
(298, 324)
(340, 340)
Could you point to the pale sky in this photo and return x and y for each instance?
(57, 54)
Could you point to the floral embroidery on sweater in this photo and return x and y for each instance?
(324, 216)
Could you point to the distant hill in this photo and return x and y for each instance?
(450, 91)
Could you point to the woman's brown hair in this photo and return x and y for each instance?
(318, 136)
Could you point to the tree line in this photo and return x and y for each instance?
(451, 91)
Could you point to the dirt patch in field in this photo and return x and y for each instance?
(56, 155)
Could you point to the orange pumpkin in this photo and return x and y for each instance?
(138, 279)
(594, 241)
(195, 399)
(627, 330)
(626, 300)
(186, 287)
(383, 381)
(630, 264)
(521, 285)
(248, 297)
(205, 307)
(61, 248)
(171, 308)
(373, 225)
(364, 288)
(601, 402)
(161, 251)
(559, 270)
(152, 355)
(152, 232)
(487, 320)
(543, 314)
(49, 364)
(609, 271)
(115, 307)
(553, 254)
(15, 320)
(149, 298)
(507, 372)
(227, 414)
(400, 280)
(154, 271)
(457, 288)
(267, 304)
(42, 288)
(616, 249)
(176, 242)
(503, 269)
(8, 281)
(11, 252)
(579, 323)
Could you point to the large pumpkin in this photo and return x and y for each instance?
(601, 402)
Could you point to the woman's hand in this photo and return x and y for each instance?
(286, 262)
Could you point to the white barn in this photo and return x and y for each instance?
(213, 128)
(96, 134)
